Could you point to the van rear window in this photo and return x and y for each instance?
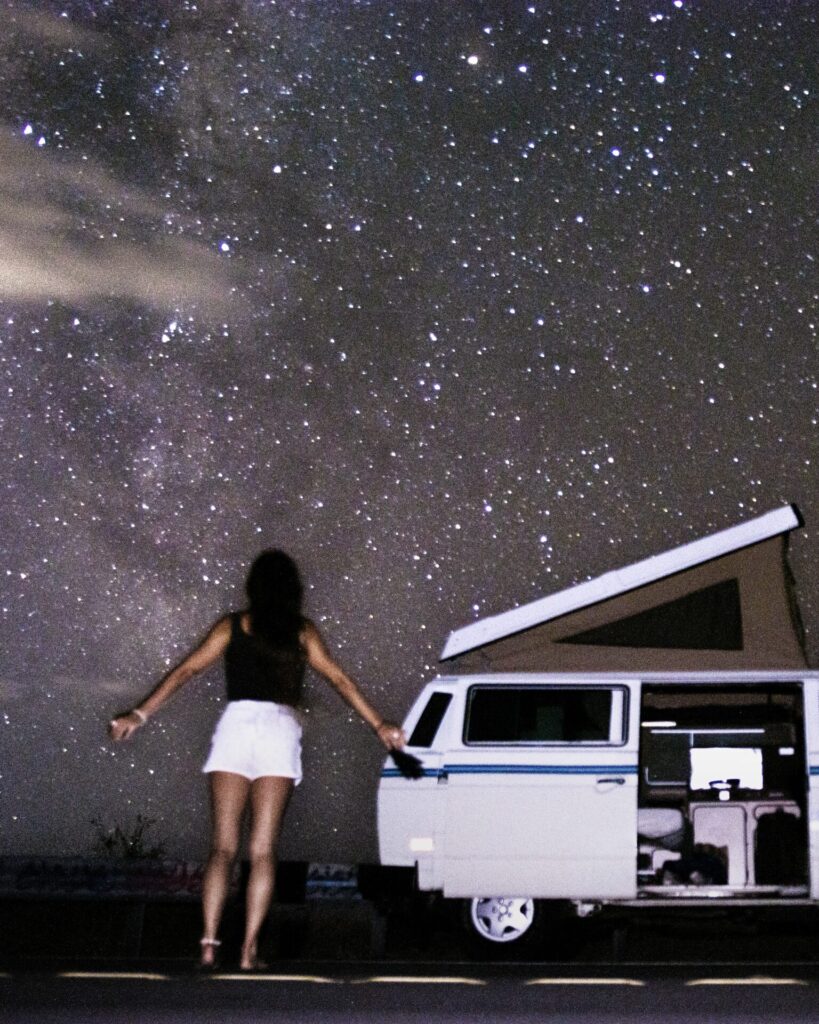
(538, 715)
(427, 725)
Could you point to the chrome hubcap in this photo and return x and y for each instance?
(502, 918)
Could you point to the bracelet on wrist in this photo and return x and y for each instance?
(143, 718)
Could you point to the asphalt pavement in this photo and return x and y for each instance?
(334, 961)
(399, 994)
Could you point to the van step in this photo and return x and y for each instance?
(710, 893)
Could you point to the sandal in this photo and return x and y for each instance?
(209, 944)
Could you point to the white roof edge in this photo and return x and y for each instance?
(696, 676)
(619, 581)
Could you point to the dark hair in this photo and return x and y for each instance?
(275, 592)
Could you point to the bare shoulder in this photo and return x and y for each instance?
(309, 632)
(313, 643)
(318, 657)
(218, 636)
(209, 649)
(221, 626)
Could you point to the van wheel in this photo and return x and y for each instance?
(501, 920)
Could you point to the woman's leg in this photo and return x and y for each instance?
(269, 796)
(228, 793)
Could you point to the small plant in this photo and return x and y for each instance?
(129, 843)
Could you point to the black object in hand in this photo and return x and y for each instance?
(408, 764)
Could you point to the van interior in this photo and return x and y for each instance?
(722, 799)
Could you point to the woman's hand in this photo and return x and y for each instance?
(391, 735)
(124, 726)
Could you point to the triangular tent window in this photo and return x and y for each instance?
(707, 619)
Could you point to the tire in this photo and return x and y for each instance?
(501, 926)
(504, 928)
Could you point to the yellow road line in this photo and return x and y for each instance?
(247, 976)
(115, 975)
(419, 979)
(757, 979)
(587, 981)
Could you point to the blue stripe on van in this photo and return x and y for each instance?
(814, 769)
(394, 773)
(539, 769)
(521, 769)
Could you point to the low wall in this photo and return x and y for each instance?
(99, 878)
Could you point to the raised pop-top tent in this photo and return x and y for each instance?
(725, 601)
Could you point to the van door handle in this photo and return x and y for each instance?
(443, 777)
(616, 780)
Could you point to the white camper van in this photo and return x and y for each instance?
(666, 783)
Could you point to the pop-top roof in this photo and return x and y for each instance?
(619, 581)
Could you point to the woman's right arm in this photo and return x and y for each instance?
(202, 657)
(320, 659)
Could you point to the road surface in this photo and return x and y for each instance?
(380, 993)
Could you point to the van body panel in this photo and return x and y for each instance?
(813, 831)
(552, 819)
(549, 830)
(557, 818)
(411, 811)
(811, 692)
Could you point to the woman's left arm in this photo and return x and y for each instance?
(211, 648)
(320, 659)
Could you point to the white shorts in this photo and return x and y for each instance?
(255, 738)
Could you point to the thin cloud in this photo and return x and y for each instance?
(25, 22)
(72, 232)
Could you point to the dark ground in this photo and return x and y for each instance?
(447, 994)
(348, 961)
(41, 933)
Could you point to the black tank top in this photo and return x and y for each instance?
(256, 671)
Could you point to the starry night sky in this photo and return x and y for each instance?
(458, 302)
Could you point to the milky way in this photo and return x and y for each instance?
(460, 303)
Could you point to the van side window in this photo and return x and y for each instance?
(427, 725)
(536, 714)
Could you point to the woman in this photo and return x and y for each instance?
(255, 754)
